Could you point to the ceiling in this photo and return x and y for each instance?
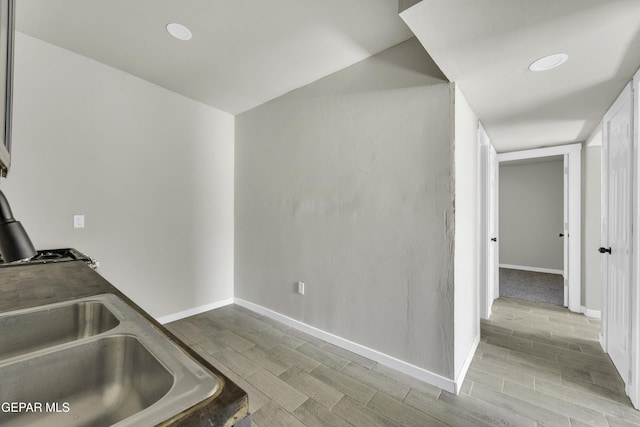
(486, 46)
(243, 52)
(247, 52)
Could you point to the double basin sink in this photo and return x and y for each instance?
(93, 362)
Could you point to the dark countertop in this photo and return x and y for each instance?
(33, 285)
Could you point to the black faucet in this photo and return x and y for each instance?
(15, 244)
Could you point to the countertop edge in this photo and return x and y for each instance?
(25, 286)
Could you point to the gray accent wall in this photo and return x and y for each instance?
(347, 184)
(151, 170)
(531, 214)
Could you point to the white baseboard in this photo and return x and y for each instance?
(467, 362)
(384, 359)
(534, 269)
(193, 311)
(596, 314)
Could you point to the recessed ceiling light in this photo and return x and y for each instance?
(179, 31)
(549, 62)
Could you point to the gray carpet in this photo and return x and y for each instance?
(532, 286)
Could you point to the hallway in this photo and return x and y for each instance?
(544, 363)
(536, 365)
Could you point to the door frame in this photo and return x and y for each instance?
(487, 166)
(633, 385)
(573, 229)
(483, 224)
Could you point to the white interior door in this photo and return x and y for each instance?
(493, 276)
(617, 229)
(488, 224)
(483, 210)
(633, 387)
(565, 231)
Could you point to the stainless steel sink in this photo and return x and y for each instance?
(109, 366)
(32, 329)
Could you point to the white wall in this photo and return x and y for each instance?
(591, 223)
(531, 214)
(347, 184)
(467, 316)
(151, 170)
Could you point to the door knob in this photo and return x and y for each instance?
(560, 235)
(604, 250)
(494, 239)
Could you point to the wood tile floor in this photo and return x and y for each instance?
(535, 365)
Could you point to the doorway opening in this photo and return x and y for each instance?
(489, 217)
(531, 246)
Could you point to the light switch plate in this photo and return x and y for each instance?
(78, 221)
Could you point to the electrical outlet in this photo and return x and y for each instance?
(301, 288)
(78, 221)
